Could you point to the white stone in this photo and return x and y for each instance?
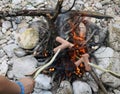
(19, 52)
(23, 66)
(6, 25)
(116, 91)
(42, 92)
(16, 1)
(110, 11)
(109, 79)
(43, 82)
(14, 25)
(10, 74)
(103, 55)
(80, 87)
(98, 5)
(1, 35)
(3, 68)
(65, 88)
(2, 53)
(114, 37)
(4, 30)
(3, 41)
(9, 49)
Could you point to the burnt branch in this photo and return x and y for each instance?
(48, 13)
(98, 81)
(45, 13)
(57, 9)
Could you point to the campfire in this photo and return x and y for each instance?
(76, 49)
(68, 40)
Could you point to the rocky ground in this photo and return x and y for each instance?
(15, 63)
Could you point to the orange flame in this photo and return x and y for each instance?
(79, 49)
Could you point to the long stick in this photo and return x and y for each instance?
(46, 65)
(105, 70)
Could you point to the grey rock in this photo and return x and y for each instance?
(116, 91)
(23, 66)
(42, 92)
(2, 53)
(9, 49)
(3, 41)
(10, 75)
(4, 30)
(107, 78)
(16, 1)
(98, 5)
(14, 25)
(3, 68)
(43, 82)
(1, 35)
(103, 55)
(105, 2)
(65, 88)
(6, 25)
(114, 30)
(93, 86)
(80, 87)
(19, 52)
(109, 11)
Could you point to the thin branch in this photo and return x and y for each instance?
(57, 9)
(46, 65)
(98, 81)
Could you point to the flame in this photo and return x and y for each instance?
(51, 69)
(78, 36)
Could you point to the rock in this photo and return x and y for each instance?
(3, 67)
(9, 49)
(2, 53)
(103, 55)
(93, 86)
(42, 92)
(28, 39)
(80, 87)
(16, 1)
(116, 91)
(1, 35)
(14, 25)
(23, 24)
(6, 24)
(43, 82)
(107, 78)
(23, 66)
(110, 12)
(65, 88)
(19, 52)
(4, 30)
(105, 2)
(3, 41)
(10, 74)
(98, 5)
(114, 33)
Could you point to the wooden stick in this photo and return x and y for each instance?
(47, 12)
